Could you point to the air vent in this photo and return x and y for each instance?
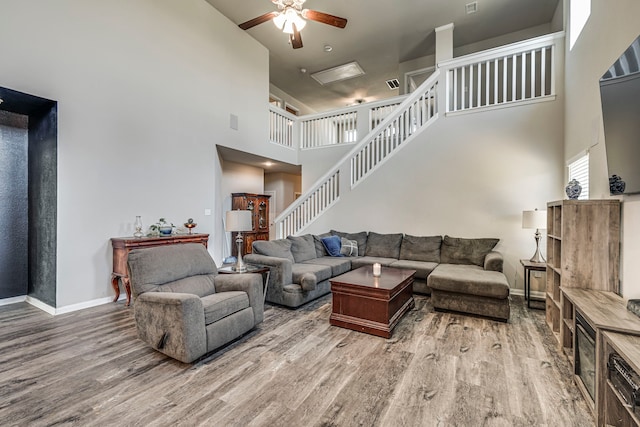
(342, 72)
(393, 84)
(471, 7)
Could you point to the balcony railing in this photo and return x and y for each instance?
(346, 125)
(518, 72)
(281, 126)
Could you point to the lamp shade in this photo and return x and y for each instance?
(534, 219)
(239, 220)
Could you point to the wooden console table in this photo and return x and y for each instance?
(123, 245)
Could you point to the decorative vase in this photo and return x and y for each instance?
(138, 227)
(573, 189)
(165, 230)
(616, 185)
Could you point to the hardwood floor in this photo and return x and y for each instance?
(88, 368)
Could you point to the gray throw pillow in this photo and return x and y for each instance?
(302, 247)
(280, 248)
(456, 250)
(349, 247)
(384, 245)
(360, 237)
(421, 248)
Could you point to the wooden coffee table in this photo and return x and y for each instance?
(369, 304)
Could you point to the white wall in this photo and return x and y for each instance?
(611, 27)
(317, 161)
(467, 175)
(285, 186)
(145, 89)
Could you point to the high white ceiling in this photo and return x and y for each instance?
(379, 35)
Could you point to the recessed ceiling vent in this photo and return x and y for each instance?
(335, 74)
(393, 84)
(471, 7)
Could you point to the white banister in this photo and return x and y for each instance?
(345, 125)
(321, 197)
(281, 126)
(411, 115)
(517, 72)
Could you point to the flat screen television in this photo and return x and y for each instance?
(620, 97)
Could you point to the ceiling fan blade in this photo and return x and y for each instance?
(259, 20)
(325, 18)
(295, 38)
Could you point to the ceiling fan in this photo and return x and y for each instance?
(291, 19)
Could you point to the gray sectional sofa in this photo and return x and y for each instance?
(461, 274)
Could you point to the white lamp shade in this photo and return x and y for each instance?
(239, 220)
(534, 219)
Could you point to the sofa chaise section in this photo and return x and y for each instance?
(470, 279)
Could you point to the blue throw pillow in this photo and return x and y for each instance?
(332, 245)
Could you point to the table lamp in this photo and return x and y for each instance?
(538, 220)
(239, 221)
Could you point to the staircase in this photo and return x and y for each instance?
(507, 76)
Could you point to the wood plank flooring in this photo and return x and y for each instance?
(88, 368)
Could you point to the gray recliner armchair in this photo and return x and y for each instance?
(183, 308)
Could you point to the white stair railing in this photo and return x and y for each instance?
(415, 112)
(418, 110)
(518, 72)
(300, 214)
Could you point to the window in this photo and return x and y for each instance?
(579, 170)
(275, 101)
(579, 12)
(291, 109)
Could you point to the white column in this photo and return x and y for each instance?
(444, 43)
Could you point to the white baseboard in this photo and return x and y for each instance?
(60, 310)
(42, 306)
(13, 300)
(534, 294)
(87, 304)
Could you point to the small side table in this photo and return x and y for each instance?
(528, 267)
(251, 268)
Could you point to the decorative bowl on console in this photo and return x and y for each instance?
(161, 228)
(190, 225)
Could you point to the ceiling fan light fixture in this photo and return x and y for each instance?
(279, 21)
(292, 18)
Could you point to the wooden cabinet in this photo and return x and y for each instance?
(258, 205)
(123, 245)
(583, 251)
(616, 411)
(615, 329)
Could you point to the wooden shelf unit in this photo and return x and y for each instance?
(583, 251)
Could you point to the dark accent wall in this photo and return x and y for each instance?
(14, 254)
(40, 205)
(43, 196)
